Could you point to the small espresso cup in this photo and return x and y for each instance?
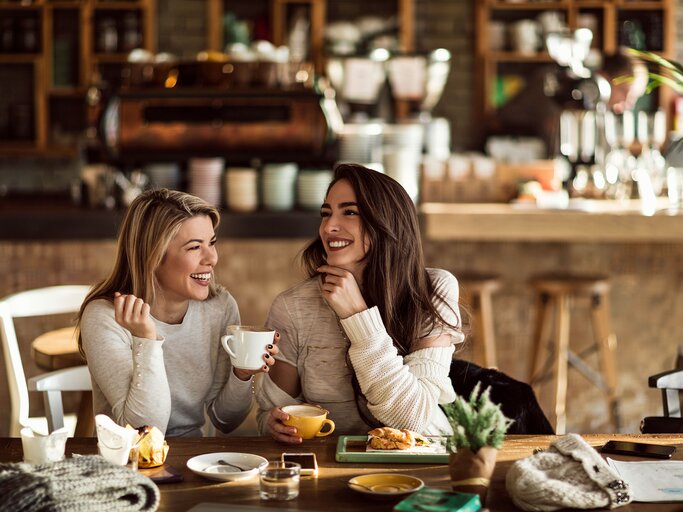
(246, 344)
(309, 420)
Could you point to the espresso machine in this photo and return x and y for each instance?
(582, 96)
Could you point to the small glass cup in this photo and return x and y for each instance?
(133, 457)
(279, 480)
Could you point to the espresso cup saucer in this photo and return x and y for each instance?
(385, 485)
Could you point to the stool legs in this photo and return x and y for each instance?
(561, 364)
(540, 340)
(485, 349)
(557, 304)
(607, 350)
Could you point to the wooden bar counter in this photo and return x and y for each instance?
(586, 221)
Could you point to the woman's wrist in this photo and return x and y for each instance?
(243, 375)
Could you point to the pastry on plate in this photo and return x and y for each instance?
(388, 438)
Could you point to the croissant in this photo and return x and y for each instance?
(387, 438)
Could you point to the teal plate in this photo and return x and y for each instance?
(352, 449)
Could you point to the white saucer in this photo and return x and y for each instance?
(207, 465)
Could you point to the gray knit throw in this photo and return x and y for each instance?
(88, 483)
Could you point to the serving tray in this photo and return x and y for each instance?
(353, 449)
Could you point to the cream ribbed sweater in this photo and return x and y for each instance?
(401, 392)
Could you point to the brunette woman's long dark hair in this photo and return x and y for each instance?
(394, 279)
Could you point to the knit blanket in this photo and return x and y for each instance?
(88, 483)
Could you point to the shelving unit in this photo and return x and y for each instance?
(656, 17)
(278, 13)
(44, 76)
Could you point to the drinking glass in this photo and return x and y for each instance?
(279, 480)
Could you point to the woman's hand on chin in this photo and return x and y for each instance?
(341, 291)
(268, 359)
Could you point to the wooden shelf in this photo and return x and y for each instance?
(19, 58)
(520, 57)
(610, 12)
(70, 23)
(528, 6)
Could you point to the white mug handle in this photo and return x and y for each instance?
(224, 341)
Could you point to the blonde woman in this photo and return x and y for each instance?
(151, 330)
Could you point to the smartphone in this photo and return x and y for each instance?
(308, 462)
(656, 451)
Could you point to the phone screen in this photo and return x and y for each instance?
(639, 449)
(309, 465)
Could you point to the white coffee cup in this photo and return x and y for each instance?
(246, 344)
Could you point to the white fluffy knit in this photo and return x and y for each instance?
(401, 392)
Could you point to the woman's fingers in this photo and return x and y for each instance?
(330, 270)
(280, 431)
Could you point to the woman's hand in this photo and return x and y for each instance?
(268, 358)
(279, 430)
(341, 291)
(132, 313)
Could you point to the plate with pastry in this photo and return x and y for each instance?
(388, 444)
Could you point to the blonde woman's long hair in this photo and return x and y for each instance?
(151, 222)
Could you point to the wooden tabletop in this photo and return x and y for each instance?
(329, 491)
(589, 221)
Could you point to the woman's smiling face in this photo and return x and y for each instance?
(187, 267)
(341, 229)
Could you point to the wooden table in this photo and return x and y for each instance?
(56, 350)
(329, 491)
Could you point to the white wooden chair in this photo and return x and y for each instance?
(52, 300)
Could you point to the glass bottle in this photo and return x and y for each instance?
(131, 32)
(7, 35)
(108, 41)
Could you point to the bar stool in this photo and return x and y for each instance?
(555, 298)
(476, 291)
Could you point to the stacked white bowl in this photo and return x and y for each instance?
(204, 178)
(361, 143)
(241, 189)
(279, 181)
(402, 153)
(163, 175)
(311, 188)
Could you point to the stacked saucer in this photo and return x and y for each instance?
(204, 178)
(278, 185)
(312, 187)
(241, 189)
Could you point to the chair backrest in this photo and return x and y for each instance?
(670, 383)
(52, 300)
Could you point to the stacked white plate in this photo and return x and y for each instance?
(311, 188)
(279, 181)
(361, 143)
(241, 189)
(204, 178)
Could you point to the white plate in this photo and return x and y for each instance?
(207, 465)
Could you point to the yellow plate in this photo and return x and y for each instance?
(386, 484)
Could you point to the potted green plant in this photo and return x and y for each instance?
(479, 428)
